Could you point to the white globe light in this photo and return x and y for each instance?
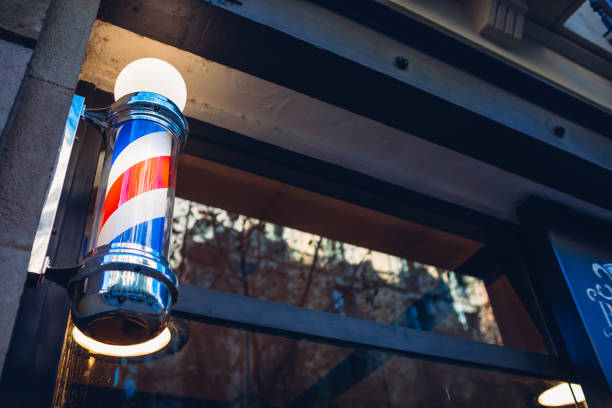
(152, 75)
(561, 395)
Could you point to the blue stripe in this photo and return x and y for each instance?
(148, 233)
(132, 130)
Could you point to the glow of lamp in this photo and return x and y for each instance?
(134, 350)
(561, 395)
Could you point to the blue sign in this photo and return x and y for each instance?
(587, 267)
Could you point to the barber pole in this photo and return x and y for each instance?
(124, 290)
(136, 200)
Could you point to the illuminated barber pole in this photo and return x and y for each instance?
(136, 197)
(123, 292)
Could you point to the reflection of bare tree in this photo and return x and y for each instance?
(320, 375)
(285, 368)
(251, 257)
(226, 367)
(244, 255)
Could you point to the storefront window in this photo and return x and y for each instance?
(222, 367)
(238, 232)
(224, 251)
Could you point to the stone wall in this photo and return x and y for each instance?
(42, 45)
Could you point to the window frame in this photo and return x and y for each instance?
(41, 324)
(225, 147)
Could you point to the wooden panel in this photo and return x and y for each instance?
(241, 192)
(513, 320)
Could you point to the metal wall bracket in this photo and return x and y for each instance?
(38, 267)
(61, 275)
(38, 258)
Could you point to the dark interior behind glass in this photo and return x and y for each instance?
(223, 367)
(238, 232)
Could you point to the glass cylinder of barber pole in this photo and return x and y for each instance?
(124, 290)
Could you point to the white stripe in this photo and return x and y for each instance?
(152, 145)
(143, 207)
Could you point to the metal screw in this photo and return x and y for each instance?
(559, 131)
(401, 62)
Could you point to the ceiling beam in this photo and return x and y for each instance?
(365, 121)
(287, 42)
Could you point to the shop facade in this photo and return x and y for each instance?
(380, 203)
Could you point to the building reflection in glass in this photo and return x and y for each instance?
(216, 249)
(223, 367)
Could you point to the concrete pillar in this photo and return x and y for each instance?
(33, 128)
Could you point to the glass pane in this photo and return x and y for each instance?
(222, 367)
(217, 249)
(591, 26)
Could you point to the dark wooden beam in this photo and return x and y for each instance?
(224, 37)
(236, 311)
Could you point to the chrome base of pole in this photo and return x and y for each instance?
(122, 294)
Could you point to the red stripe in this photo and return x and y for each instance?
(147, 175)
